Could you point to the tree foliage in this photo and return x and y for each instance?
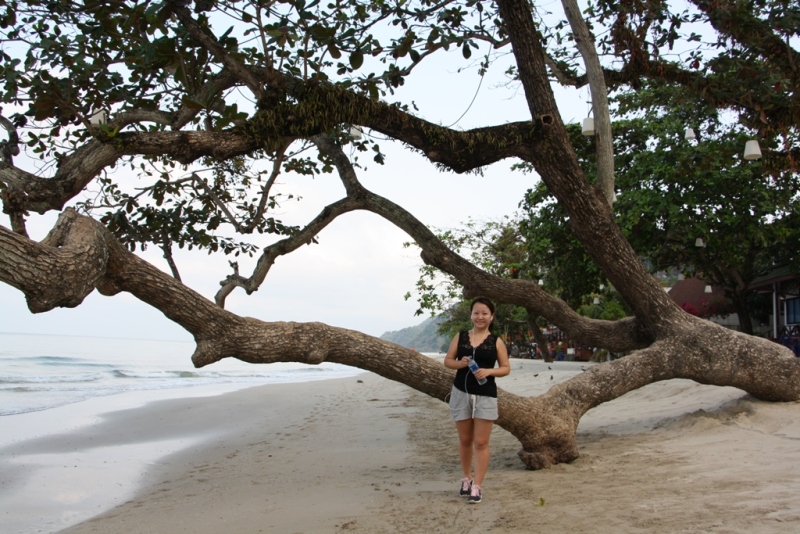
(673, 191)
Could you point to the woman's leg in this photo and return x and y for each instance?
(465, 439)
(482, 429)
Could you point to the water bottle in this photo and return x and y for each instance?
(473, 366)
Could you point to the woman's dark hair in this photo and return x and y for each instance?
(488, 303)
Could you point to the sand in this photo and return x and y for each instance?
(365, 454)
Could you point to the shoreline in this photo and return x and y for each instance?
(60, 466)
(277, 466)
(364, 454)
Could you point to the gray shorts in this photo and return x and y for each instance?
(465, 406)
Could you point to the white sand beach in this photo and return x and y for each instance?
(364, 454)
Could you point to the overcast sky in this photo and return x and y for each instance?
(358, 273)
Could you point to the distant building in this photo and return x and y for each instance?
(698, 297)
(780, 283)
(692, 292)
(784, 288)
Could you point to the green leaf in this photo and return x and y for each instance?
(335, 52)
(356, 59)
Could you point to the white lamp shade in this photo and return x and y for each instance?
(355, 133)
(98, 117)
(588, 126)
(541, 282)
(596, 300)
(602, 287)
(699, 242)
(689, 135)
(752, 150)
(708, 288)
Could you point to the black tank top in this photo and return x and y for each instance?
(486, 356)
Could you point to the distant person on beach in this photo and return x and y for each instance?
(473, 406)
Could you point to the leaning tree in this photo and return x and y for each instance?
(163, 88)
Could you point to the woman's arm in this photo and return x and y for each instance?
(450, 358)
(503, 367)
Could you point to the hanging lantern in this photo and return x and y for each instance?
(680, 276)
(98, 117)
(588, 126)
(752, 150)
(596, 300)
(355, 133)
(602, 287)
(689, 135)
(708, 288)
(541, 282)
(699, 242)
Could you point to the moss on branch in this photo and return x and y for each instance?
(315, 109)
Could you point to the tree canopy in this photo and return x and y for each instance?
(208, 102)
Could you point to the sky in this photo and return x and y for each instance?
(357, 275)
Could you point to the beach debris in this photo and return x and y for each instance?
(541, 501)
(551, 377)
(537, 374)
(359, 381)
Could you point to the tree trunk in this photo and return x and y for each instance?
(55, 272)
(742, 312)
(538, 335)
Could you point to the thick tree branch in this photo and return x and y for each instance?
(321, 107)
(602, 117)
(460, 151)
(43, 194)
(590, 216)
(73, 249)
(621, 335)
(10, 147)
(79, 249)
(739, 23)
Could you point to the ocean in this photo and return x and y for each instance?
(40, 372)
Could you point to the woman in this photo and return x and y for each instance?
(474, 406)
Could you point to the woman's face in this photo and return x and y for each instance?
(481, 316)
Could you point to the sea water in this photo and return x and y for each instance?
(39, 372)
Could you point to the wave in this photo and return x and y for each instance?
(67, 363)
(51, 359)
(55, 379)
(240, 374)
(36, 377)
(134, 374)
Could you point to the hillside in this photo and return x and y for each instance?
(422, 337)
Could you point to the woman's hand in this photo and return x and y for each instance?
(483, 373)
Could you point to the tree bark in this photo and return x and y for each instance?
(742, 312)
(597, 85)
(54, 273)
